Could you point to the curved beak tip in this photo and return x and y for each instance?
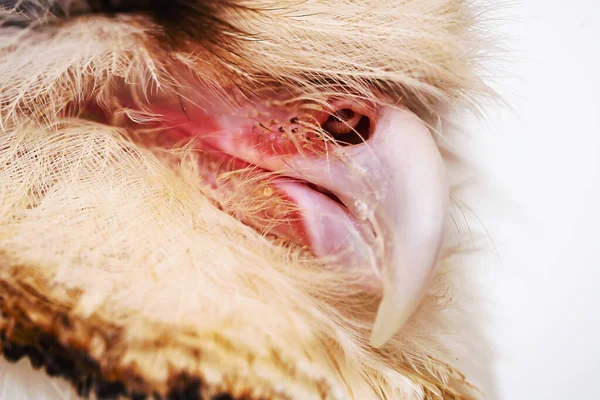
(387, 323)
(413, 216)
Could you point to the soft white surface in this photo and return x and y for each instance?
(543, 157)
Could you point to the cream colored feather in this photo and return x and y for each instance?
(156, 281)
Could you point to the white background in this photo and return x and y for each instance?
(543, 158)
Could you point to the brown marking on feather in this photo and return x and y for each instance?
(94, 354)
(97, 355)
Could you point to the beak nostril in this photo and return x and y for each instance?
(345, 114)
(348, 127)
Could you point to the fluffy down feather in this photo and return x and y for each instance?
(153, 283)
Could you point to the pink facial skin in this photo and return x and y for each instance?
(391, 186)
